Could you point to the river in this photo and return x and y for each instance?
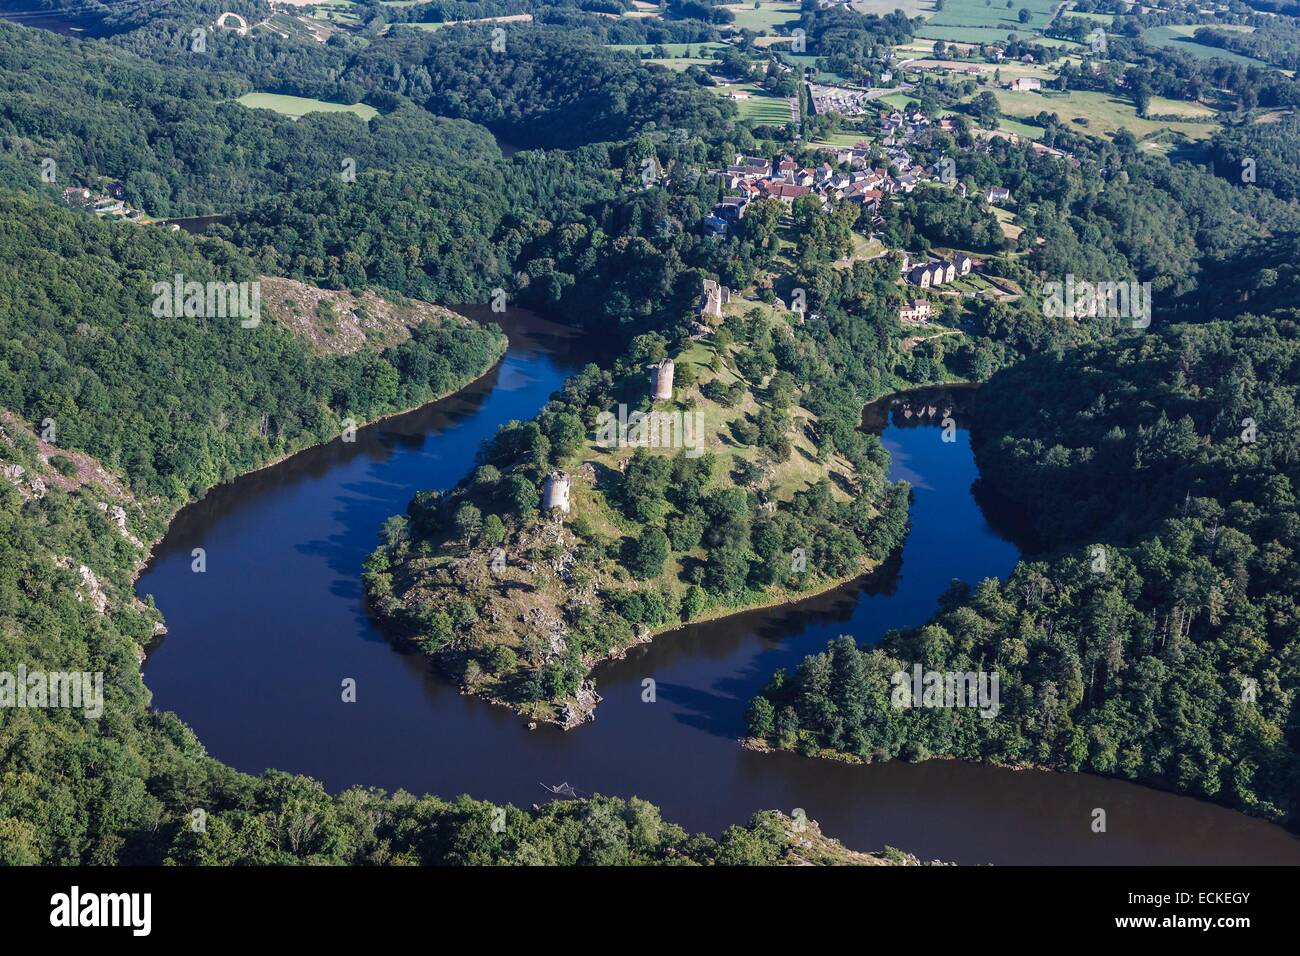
(259, 645)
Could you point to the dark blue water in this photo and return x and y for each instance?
(260, 644)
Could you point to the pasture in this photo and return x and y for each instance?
(766, 18)
(1180, 38)
(1102, 113)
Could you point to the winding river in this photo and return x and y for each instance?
(260, 643)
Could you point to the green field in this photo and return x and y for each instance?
(337, 11)
(508, 19)
(1058, 42)
(881, 8)
(809, 61)
(1104, 113)
(674, 49)
(414, 26)
(973, 13)
(680, 62)
(1023, 130)
(1008, 70)
(897, 100)
(843, 138)
(1105, 19)
(1180, 38)
(296, 107)
(967, 34)
(760, 107)
(766, 18)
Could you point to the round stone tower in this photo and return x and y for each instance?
(555, 492)
(661, 380)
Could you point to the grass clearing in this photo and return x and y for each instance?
(1007, 70)
(679, 63)
(672, 49)
(897, 100)
(1106, 19)
(844, 138)
(337, 11)
(1004, 217)
(296, 107)
(511, 18)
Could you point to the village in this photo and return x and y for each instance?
(863, 173)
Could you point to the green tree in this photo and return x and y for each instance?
(468, 521)
(644, 556)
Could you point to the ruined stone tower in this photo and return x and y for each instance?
(661, 380)
(555, 492)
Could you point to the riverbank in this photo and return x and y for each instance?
(298, 446)
(304, 528)
(722, 494)
(573, 712)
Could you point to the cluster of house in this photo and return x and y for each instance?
(899, 129)
(751, 178)
(936, 272)
(849, 173)
(107, 206)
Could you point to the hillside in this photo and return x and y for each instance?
(1157, 638)
(746, 502)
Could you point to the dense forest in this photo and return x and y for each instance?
(1262, 154)
(552, 89)
(671, 536)
(1156, 638)
(120, 416)
(179, 406)
(1124, 642)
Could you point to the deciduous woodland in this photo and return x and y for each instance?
(761, 267)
